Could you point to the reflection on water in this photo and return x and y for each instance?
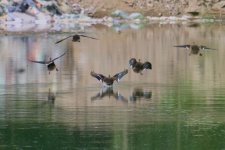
(109, 92)
(51, 96)
(139, 94)
(179, 104)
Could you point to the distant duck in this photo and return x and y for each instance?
(75, 38)
(138, 66)
(108, 81)
(50, 64)
(195, 49)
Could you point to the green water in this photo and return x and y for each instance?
(179, 104)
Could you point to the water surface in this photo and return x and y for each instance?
(179, 104)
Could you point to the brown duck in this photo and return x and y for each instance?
(75, 38)
(108, 81)
(50, 64)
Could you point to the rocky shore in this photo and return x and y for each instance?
(36, 15)
(153, 7)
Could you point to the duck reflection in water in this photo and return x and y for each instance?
(50, 99)
(139, 94)
(51, 96)
(109, 92)
(75, 38)
(50, 64)
(194, 49)
(138, 66)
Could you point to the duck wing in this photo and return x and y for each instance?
(119, 75)
(205, 47)
(40, 62)
(59, 56)
(63, 39)
(183, 46)
(100, 77)
(87, 36)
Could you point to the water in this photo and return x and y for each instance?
(179, 104)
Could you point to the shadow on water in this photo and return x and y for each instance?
(179, 104)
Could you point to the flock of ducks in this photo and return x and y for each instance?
(137, 66)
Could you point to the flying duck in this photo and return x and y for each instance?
(108, 81)
(50, 64)
(195, 49)
(75, 38)
(138, 66)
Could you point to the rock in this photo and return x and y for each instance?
(53, 9)
(42, 18)
(120, 14)
(219, 5)
(194, 13)
(18, 17)
(136, 15)
(76, 8)
(64, 7)
(2, 11)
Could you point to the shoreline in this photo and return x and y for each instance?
(71, 22)
(58, 16)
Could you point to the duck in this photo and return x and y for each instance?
(195, 49)
(108, 81)
(75, 38)
(138, 66)
(50, 64)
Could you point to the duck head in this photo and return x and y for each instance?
(147, 65)
(132, 62)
